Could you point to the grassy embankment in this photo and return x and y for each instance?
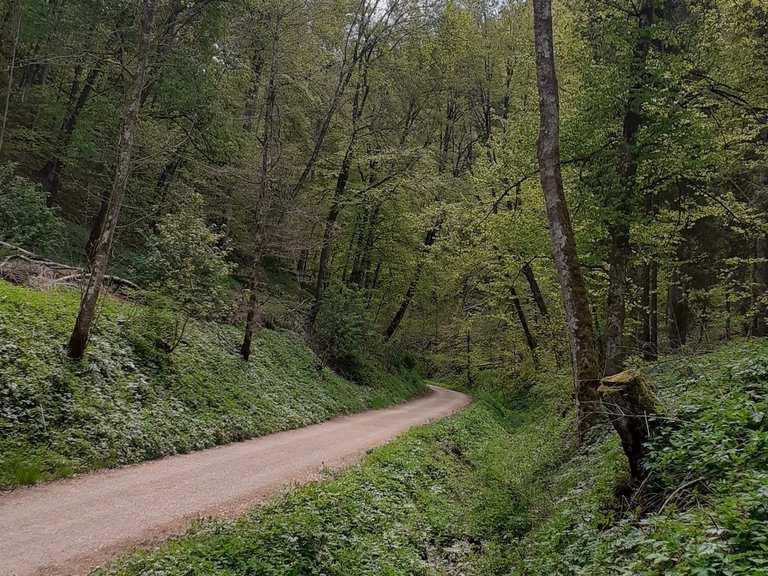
(127, 402)
(495, 491)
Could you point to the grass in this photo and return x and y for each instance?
(126, 404)
(496, 490)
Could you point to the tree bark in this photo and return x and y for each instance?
(251, 103)
(98, 257)
(760, 287)
(533, 284)
(251, 317)
(629, 401)
(619, 229)
(359, 49)
(328, 232)
(12, 67)
(649, 310)
(53, 166)
(530, 339)
(617, 292)
(677, 313)
(358, 106)
(572, 288)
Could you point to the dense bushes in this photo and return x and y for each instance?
(126, 405)
(344, 334)
(25, 220)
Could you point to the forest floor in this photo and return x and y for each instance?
(68, 527)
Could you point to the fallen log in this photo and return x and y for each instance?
(71, 272)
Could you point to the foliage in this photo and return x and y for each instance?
(343, 331)
(59, 417)
(186, 270)
(444, 499)
(25, 220)
(492, 492)
(706, 498)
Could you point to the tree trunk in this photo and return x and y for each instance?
(251, 317)
(360, 22)
(328, 233)
(372, 282)
(572, 288)
(251, 103)
(653, 349)
(629, 401)
(530, 339)
(98, 258)
(358, 106)
(533, 284)
(617, 289)
(677, 313)
(649, 310)
(262, 199)
(619, 229)
(429, 240)
(760, 287)
(470, 378)
(53, 166)
(11, 68)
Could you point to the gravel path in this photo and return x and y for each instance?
(70, 526)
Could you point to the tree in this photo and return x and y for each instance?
(98, 255)
(187, 268)
(262, 201)
(572, 288)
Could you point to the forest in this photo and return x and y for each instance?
(228, 219)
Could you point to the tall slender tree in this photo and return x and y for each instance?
(98, 255)
(572, 288)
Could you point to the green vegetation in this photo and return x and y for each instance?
(704, 510)
(496, 490)
(428, 503)
(488, 192)
(24, 217)
(131, 402)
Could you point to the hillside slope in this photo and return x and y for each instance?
(128, 402)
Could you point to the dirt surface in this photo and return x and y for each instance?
(71, 526)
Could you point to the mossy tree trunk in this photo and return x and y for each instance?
(628, 400)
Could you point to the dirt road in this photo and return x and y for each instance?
(70, 526)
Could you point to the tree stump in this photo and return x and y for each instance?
(629, 401)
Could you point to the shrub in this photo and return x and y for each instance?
(24, 217)
(343, 331)
(186, 271)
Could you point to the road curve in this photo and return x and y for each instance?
(70, 526)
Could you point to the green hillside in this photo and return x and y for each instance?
(130, 402)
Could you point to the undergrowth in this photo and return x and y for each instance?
(497, 490)
(448, 498)
(704, 508)
(129, 402)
